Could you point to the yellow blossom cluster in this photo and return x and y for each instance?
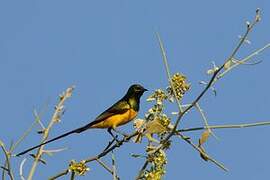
(157, 170)
(79, 168)
(159, 95)
(180, 85)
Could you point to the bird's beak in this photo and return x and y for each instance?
(145, 89)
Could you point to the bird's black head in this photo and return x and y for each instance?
(136, 90)
(133, 95)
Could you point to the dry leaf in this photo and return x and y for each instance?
(202, 140)
(151, 127)
(155, 126)
(204, 137)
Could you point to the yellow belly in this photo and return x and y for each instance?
(116, 120)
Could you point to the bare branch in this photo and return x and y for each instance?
(229, 126)
(105, 166)
(202, 152)
(213, 78)
(246, 59)
(106, 150)
(115, 177)
(72, 176)
(207, 87)
(55, 118)
(142, 170)
(7, 156)
(198, 107)
(65, 172)
(165, 61)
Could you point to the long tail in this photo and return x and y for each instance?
(78, 130)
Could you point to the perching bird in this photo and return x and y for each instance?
(122, 112)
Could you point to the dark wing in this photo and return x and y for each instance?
(119, 107)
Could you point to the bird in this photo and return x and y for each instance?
(120, 113)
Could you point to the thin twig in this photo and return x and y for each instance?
(142, 170)
(116, 145)
(55, 118)
(102, 154)
(38, 119)
(115, 177)
(7, 155)
(65, 172)
(25, 134)
(109, 144)
(246, 59)
(4, 168)
(202, 152)
(13, 146)
(72, 176)
(3, 172)
(104, 166)
(198, 107)
(165, 61)
(228, 126)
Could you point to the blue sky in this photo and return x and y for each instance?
(102, 47)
